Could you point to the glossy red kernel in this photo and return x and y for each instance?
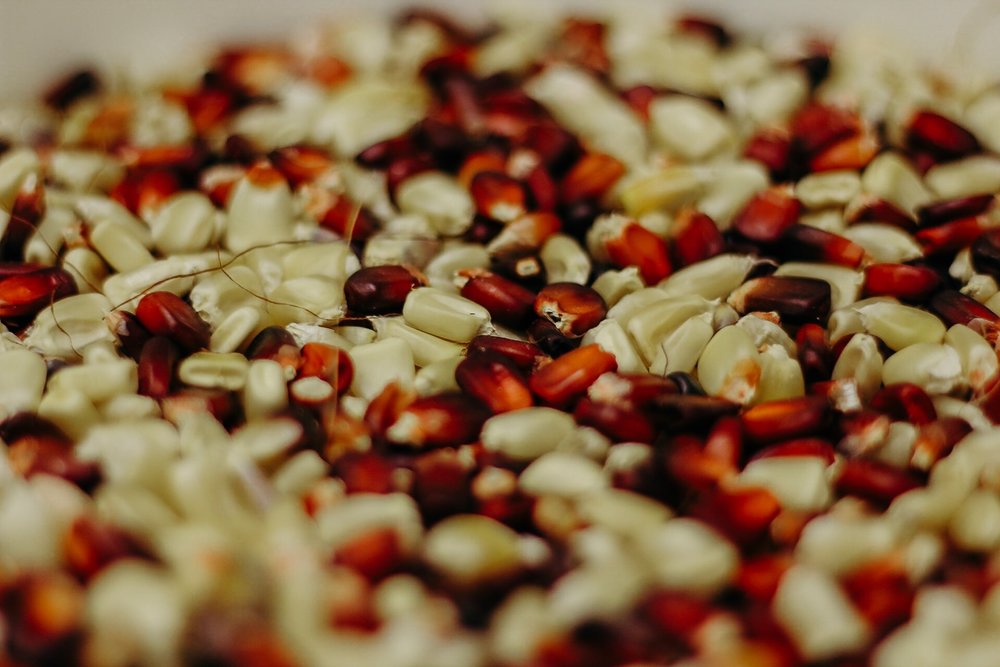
(524, 355)
(156, 367)
(166, 314)
(942, 137)
(784, 419)
(617, 422)
(495, 381)
(637, 246)
(905, 401)
(804, 242)
(904, 281)
(695, 237)
(590, 178)
(380, 290)
(498, 196)
(573, 308)
(768, 214)
(566, 378)
(329, 363)
(24, 295)
(508, 302)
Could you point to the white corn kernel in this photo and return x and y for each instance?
(657, 321)
(979, 359)
(563, 474)
(214, 370)
(122, 250)
(265, 392)
(587, 109)
(22, 381)
(884, 243)
(184, 223)
(70, 410)
(610, 336)
(900, 326)
(173, 274)
(309, 299)
(95, 209)
(729, 366)
(969, 176)
(437, 377)
(564, 260)
(427, 349)
(828, 188)
(235, 329)
(818, 616)
(526, 434)
(612, 285)
(713, 278)
(379, 363)
(311, 390)
(634, 303)
(780, 375)
(687, 555)
(936, 368)
(665, 189)
(258, 214)
(891, 177)
(766, 333)
(682, 348)
(860, 362)
(975, 526)
(129, 406)
(471, 549)
(98, 381)
(86, 267)
(690, 128)
(440, 199)
(441, 270)
(333, 259)
(445, 315)
(799, 483)
(46, 242)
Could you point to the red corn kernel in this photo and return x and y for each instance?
(329, 363)
(380, 290)
(481, 162)
(795, 300)
(349, 220)
(956, 308)
(277, 344)
(166, 314)
(442, 483)
(689, 463)
(851, 153)
(26, 211)
(327, 70)
(936, 440)
(591, 177)
(543, 193)
(759, 576)
(947, 210)
(442, 420)
(494, 380)
(639, 98)
(43, 616)
(49, 454)
(772, 147)
(634, 245)
(508, 303)
(804, 242)
(24, 295)
(676, 614)
(129, 331)
(985, 253)
(528, 231)
(818, 126)
(301, 164)
(522, 266)
(574, 309)
(556, 147)
(524, 355)
(90, 545)
(617, 422)
(695, 237)
(385, 408)
(382, 153)
(152, 190)
(951, 236)
(873, 480)
(904, 401)
(156, 367)
(566, 378)
(814, 353)
(582, 42)
(768, 214)
(868, 208)
(630, 389)
(742, 513)
(864, 431)
(725, 440)
(882, 592)
(403, 168)
(785, 419)
(365, 472)
(942, 137)
(498, 196)
(799, 447)
(904, 281)
(375, 553)
(221, 404)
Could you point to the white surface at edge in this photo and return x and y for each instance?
(39, 39)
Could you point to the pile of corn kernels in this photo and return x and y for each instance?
(569, 343)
